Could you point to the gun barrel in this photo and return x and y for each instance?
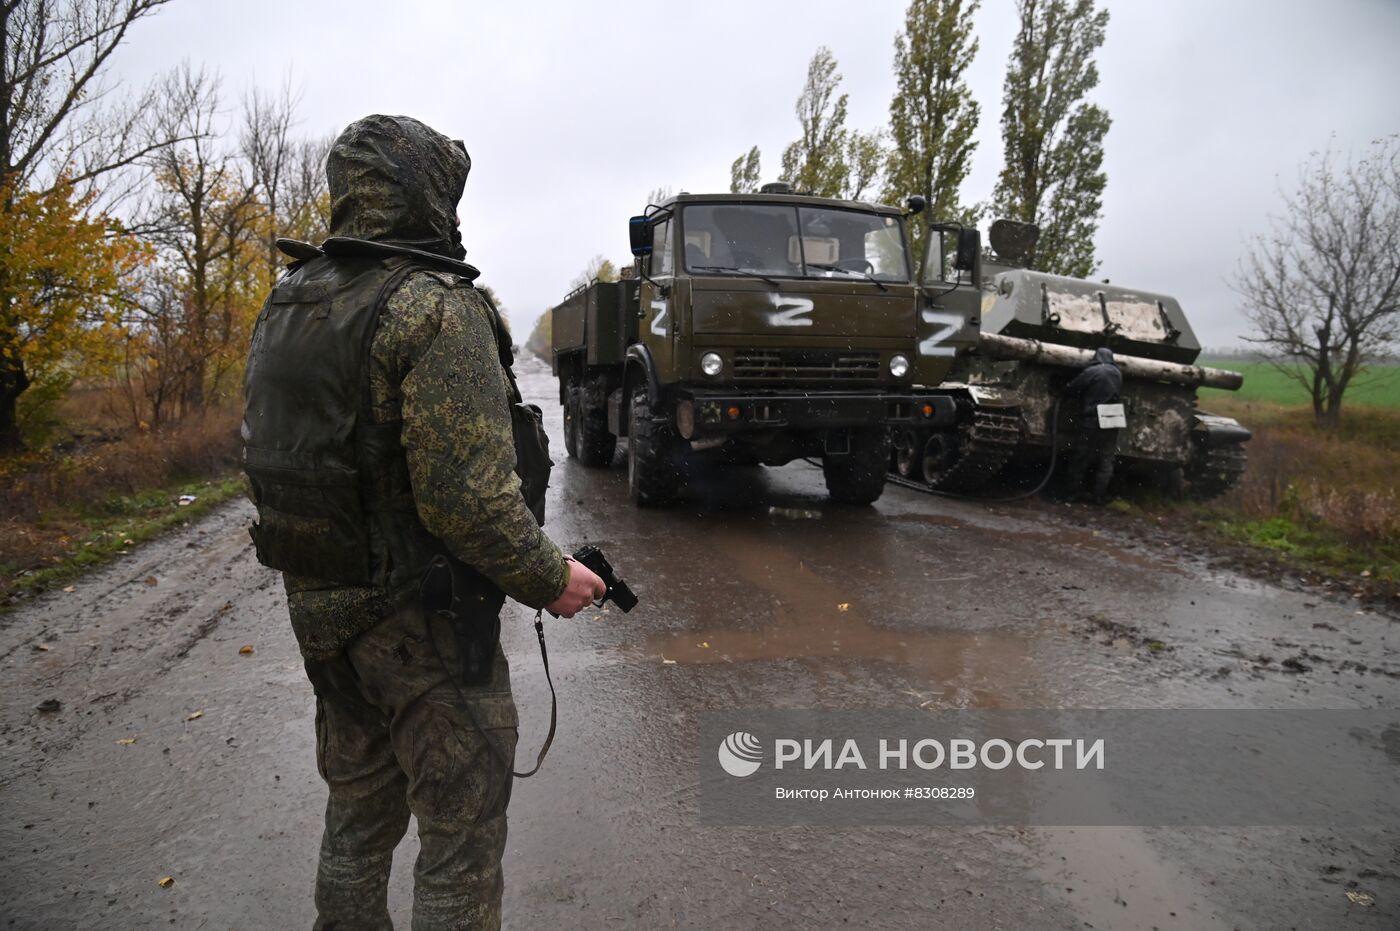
(998, 346)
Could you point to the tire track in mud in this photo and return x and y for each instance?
(125, 625)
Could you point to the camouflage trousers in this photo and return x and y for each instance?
(392, 738)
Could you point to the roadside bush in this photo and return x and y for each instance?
(1328, 498)
(1344, 482)
(80, 473)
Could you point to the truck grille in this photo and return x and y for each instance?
(778, 364)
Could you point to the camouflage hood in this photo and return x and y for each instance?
(1103, 356)
(394, 180)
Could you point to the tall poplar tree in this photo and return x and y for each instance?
(933, 116)
(744, 174)
(865, 161)
(1053, 136)
(817, 161)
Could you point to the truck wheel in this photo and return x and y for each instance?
(859, 476)
(594, 443)
(653, 478)
(939, 455)
(909, 454)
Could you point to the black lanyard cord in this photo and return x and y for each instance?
(470, 709)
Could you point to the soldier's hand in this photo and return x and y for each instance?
(583, 589)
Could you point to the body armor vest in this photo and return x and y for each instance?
(332, 487)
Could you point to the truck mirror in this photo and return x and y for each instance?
(915, 204)
(969, 247)
(639, 230)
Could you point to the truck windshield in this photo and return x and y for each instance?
(793, 242)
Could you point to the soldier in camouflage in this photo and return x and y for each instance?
(399, 728)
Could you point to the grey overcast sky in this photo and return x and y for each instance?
(572, 112)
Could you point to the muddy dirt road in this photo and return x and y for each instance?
(175, 754)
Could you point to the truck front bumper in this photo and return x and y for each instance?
(709, 414)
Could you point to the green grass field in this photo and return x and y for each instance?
(1379, 387)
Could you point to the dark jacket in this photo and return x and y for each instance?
(1100, 383)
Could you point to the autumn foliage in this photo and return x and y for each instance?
(66, 278)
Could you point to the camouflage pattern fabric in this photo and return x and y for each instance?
(434, 367)
(394, 724)
(393, 179)
(394, 737)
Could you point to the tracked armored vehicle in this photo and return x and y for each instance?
(1036, 330)
(757, 329)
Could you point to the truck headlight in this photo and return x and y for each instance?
(899, 365)
(711, 364)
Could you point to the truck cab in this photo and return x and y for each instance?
(758, 328)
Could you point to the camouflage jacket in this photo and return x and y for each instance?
(434, 367)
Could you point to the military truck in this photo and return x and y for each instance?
(1036, 330)
(758, 329)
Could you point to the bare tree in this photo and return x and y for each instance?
(270, 151)
(1323, 285)
(289, 172)
(206, 218)
(306, 196)
(54, 121)
(156, 362)
(58, 126)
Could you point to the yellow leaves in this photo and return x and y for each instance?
(195, 716)
(125, 741)
(65, 273)
(165, 882)
(246, 650)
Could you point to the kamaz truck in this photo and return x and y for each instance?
(759, 329)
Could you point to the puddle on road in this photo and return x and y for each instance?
(813, 622)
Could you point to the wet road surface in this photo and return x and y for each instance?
(175, 754)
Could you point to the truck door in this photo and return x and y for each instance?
(658, 330)
(949, 307)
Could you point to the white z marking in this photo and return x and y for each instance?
(948, 324)
(789, 311)
(659, 326)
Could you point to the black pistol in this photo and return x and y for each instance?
(617, 592)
